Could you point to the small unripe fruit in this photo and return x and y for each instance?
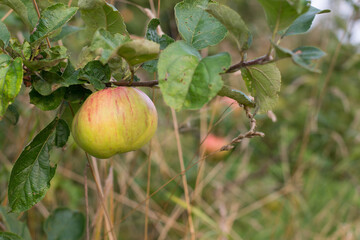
(114, 120)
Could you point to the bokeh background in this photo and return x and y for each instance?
(301, 181)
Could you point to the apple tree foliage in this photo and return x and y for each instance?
(186, 79)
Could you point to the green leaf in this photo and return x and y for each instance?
(4, 34)
(52, 18)
(25, 10)
(49, 102)
(64, 224)
(47, 82)
(233, 22)
(280, 14)
(62, 133)
(185, 80)
(106, 43)
(165, 41)
(70, 76)
(303, 23)
(15, 49)
(9, 236)
(31, 174)
(99, 14)
(11, 75)
(49, 58)
(13, 224)
(151, 33)
(66, 31)
(196, 26)
(76, 94)
(12, 114)
(263, 82)
(96, 73)
(150, 66)
(304, 55)
(138, 51)
(206, 81)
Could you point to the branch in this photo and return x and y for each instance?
(136, 84)
(226, 91)
(261, 60)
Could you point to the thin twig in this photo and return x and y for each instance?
(95, 174)
(39, 15)
(148, 193)
(158, 12)
(6, 15)
(69, 3)
(86, 202)
(182, 166)
(250, 134)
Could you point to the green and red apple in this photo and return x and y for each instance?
(114, 120)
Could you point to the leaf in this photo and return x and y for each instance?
(70, 76)
(302, 56)
(196, 26)
(66, 31)
(96, 73)
(49, 58)
(164, 40)
(13, 224)
(263, 82)
(62, 133)
(11, 75)
(4, 34)
(206, 81)
(185, 80)
(31, 174)
(76, 93)
(52, 18)
(47, 82)
(49, 102)
(99, 14)
(64, 224)
(303, 23)
(138, 51)
(106, 42)
(233, 22)
(15, 49)
(24, 9)
(151, 33)
(9, 236)
(280, 14)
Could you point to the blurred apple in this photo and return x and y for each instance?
(114, 120)
(212, 144)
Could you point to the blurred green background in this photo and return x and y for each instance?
(301, 181)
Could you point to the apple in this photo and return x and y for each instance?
(114, 120)
(212, 144)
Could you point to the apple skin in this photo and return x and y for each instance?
(213, 143)
(114, 120)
